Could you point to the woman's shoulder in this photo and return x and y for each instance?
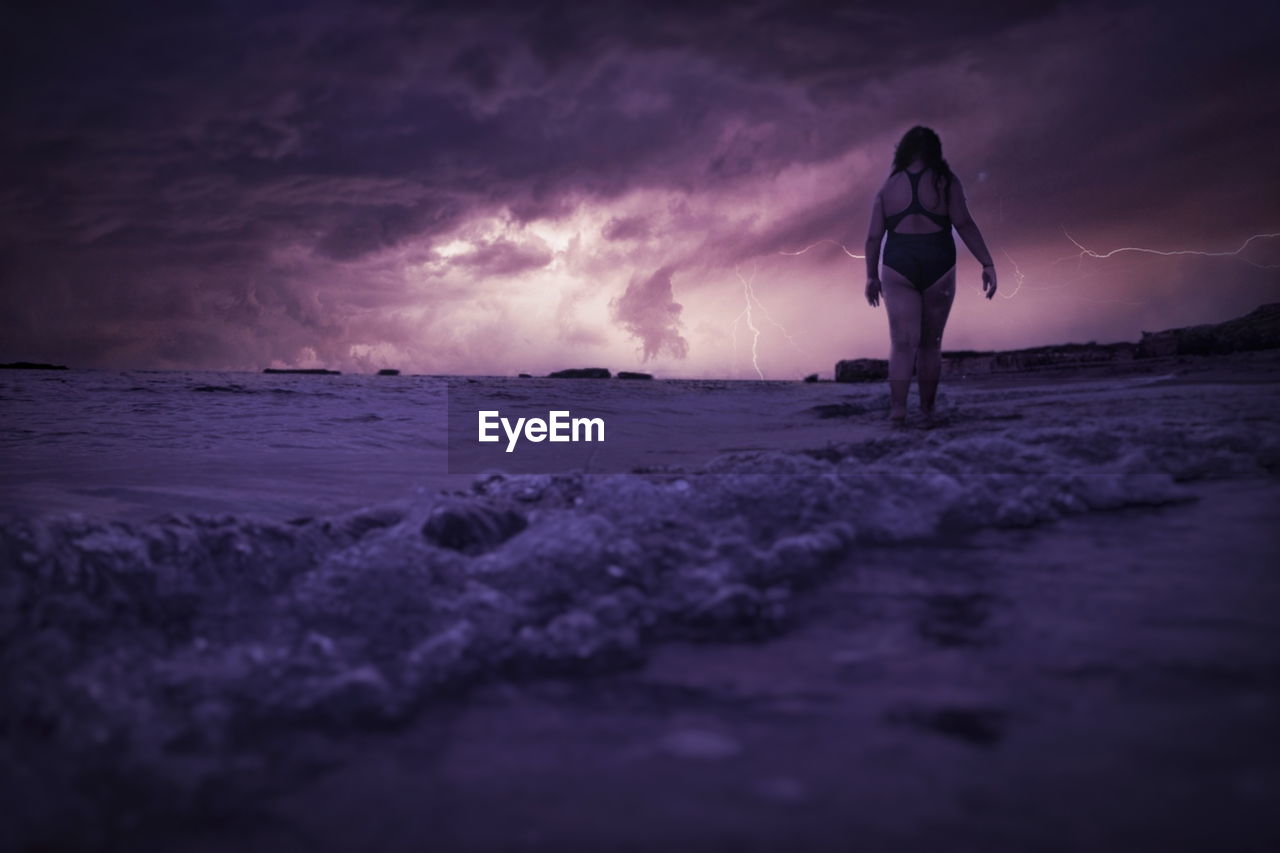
(950, 181)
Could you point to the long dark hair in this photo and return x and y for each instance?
(921, 143)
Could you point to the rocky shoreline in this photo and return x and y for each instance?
(1257, 330)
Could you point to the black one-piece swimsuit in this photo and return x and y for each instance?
(921, 259)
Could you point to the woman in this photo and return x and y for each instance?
(919, 273)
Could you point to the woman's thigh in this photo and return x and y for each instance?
(935, 308)
(902, 303)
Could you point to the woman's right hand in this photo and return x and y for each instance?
(873, 292)
(989, 281)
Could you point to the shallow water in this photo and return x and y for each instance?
(264, 610)
(1111, 681)
(134, 445)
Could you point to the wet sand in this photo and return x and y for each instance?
(1072, 645)
(984, 695)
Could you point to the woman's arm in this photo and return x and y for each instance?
(972, 236)
(875, 234)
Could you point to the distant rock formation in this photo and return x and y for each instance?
(812, 377)
(31, 365)
(525, 376)
(1259, 329)
(581, 373)
(388, 371)
(862, 370)
(316, 371)
(1036, 358)
(629, 374)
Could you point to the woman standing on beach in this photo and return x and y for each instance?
(919, 271)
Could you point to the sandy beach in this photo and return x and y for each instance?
(985, 695)
(277, 622)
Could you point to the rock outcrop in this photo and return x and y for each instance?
(317, 371)
(862, 370)
(964, 362)
(1259, 329)
(31, 365)
(581, 373)
(629, 374)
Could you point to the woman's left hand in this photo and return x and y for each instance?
(873, 292)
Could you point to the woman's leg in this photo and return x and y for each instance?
(902, 303)
(935, 308)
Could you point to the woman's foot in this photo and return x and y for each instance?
(898, 389)
(931, 417)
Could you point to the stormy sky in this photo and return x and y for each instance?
(480, 187)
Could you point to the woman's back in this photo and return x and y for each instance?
(896, 199)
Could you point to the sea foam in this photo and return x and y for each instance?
(199, 629)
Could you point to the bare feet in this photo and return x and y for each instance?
(897, 417)
(931, 418)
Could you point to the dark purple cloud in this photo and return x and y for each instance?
(232, 184)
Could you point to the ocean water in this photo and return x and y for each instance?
(134, 445)
(203, 570)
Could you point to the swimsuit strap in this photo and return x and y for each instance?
(915, 206)
(941, 219)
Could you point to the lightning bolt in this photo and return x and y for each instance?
(1237, 253)
(842, 246)
(1085, 252)
(749, 296)
(1018, 277)
(752, 305)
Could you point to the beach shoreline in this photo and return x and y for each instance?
(991, 694)
(222, 645)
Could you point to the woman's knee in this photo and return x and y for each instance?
(904, 340)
